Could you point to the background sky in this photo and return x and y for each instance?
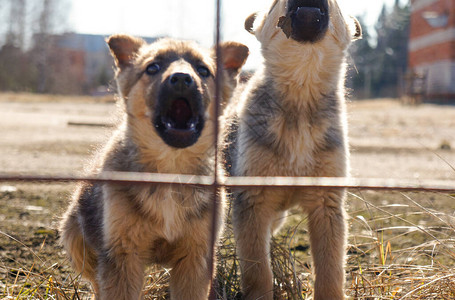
(187, 19)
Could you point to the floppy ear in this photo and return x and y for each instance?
(249, 23)
(124, 48)
(358, 29)
(234, 56)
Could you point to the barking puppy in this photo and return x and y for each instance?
(111, 231)
(290, 121)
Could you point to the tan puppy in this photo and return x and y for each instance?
(290, 121)
(111, 231)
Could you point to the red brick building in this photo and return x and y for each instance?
(432, 46)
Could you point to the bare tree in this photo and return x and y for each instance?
(2, 9)
(41, 41)
(17, 18)
(47, 59)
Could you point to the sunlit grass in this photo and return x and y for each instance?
(401, 246)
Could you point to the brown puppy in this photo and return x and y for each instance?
(111, 231)
(290, 121)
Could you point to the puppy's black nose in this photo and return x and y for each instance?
(181, 81)
(309, 16)
(306, 20)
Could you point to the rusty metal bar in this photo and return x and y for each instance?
(118, 177)
(343, 182)
(216, 187)
(428, 185)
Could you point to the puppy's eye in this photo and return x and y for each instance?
(203, 71)
(153, 68)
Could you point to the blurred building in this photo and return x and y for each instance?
(432, 48)
(74, 63)
(88, 54)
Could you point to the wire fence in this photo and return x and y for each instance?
(391, 184)
(216, 182)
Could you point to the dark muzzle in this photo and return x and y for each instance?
(305, 20)
(179, 117)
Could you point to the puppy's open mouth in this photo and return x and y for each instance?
(179, 125)
(305, 20)
(302, 6)
(180, 116)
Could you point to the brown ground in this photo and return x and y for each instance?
(388, 141)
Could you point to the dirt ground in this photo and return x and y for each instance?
(388, 140)
(40, 135)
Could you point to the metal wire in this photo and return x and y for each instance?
(423, 185)
(216, 194)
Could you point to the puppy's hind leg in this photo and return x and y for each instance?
(253, 219)
(328, 242)
(83, 257)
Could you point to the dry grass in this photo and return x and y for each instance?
(401, 246)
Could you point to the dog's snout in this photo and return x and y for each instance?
(181, 81)
(179, 116)
(306, 20)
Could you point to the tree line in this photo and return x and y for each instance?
(378, 71)
(29, 61)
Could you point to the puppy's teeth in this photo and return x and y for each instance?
(192, 123)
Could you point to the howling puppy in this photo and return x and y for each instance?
(111, 231)
(290, 121)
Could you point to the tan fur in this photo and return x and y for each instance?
(291, 122)
(111, 231)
